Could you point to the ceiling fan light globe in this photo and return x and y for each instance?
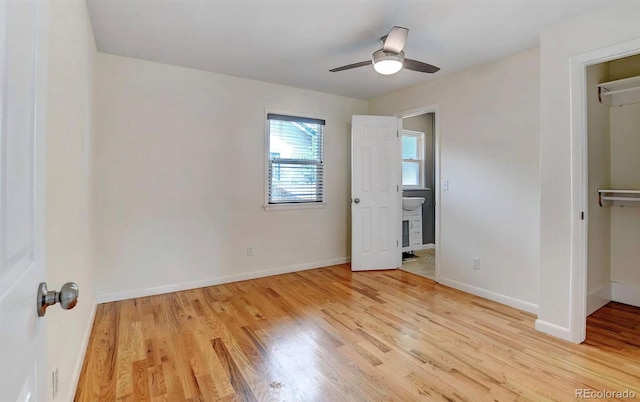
(387, 67)
(387, 63)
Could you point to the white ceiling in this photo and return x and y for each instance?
(296, 42)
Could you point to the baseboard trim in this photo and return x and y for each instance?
(75, 377)
(428, 246)
(133, 293)
(625, 293)
(553, 330)
(598, 298)
(497, 297)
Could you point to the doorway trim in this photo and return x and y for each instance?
(435, 109)
(579, 179)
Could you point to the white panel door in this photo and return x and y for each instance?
(376, 222)
(22, 352)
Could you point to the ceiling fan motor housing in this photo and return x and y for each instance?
(381, 55)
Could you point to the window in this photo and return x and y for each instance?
(295, 152)
(412, 159)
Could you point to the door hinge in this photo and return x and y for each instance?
(397, 243)
(397, 188)
(582, 215)
(398, 133)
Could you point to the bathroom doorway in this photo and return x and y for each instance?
(418, 144)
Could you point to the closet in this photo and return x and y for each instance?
(613, 121)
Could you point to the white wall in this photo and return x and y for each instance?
(589, 32)
(69, 244)
(625, 174)
(489, 154)
(180, 180)
(599, 165)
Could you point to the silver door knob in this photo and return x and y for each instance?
(357, 200)
(67, 297)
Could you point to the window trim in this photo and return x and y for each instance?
(291, 205)
(421, 161)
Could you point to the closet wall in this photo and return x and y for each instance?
(625, 173)
(614, 163)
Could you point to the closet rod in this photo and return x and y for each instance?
(620, 191)
(605, 198)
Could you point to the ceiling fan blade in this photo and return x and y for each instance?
(350, 66)
(416, 65)
(394, 42)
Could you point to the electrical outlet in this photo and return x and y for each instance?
(476, 263)
(249, 250)
(54, 382)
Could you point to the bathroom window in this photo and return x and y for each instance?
(412, 159)
(295, 159)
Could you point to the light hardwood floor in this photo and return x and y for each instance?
(332, 335)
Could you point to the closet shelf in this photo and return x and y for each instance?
(615, 195)
(620, 92)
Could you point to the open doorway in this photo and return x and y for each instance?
(606, 183)
(613, 182)
(418, 145)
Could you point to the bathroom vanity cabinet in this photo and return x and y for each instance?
(412, 230)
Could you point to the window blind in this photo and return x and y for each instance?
(296, 159)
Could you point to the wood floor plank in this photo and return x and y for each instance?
(239, 383)
(332, 334)
(98, 372)
(157, 385)
(124, 367)
(141, 380)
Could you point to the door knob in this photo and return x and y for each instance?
(357, 200)
(67, 297)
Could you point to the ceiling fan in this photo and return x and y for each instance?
(390, 59)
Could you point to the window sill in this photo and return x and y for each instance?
(302, 205)
(415, 188)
